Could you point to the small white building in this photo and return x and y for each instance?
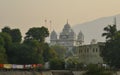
(90, 54)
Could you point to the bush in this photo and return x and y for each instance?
(57, 64)
(95, 70)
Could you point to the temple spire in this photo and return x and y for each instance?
(67, 21)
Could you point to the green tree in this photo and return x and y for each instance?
(38, 33)
(57, 64)
(6, 29)
(14, 33)
(72, 63)
(60, 50)
(1, 41)
(24, 54)
(7, 40)
(110, 32)
(95, 70)
(3, 56)
(48, 53)
(111, 50)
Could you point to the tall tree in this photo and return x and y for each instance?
(38, 33)
(111, 50)
(14, 33)
(7, 40)
(24, 54)
(110, 32)
(48, 53)
(3, 56)
(6, 29)
(60, 50)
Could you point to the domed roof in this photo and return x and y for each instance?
(67, 25)
(80, 34)
(53, 33)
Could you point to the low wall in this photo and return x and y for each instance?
(78, 72)
(52, 72)
(19, 73)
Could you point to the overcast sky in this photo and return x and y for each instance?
(25, 14)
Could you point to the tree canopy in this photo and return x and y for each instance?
(111, 51)
(110, 32)
(38, 33)
(14, 33)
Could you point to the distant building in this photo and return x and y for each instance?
(90, 54)
(67, 38)
(85, 53)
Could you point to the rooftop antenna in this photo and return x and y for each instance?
(115, 22)
(67, 21)
(45, 22)
(50, 25)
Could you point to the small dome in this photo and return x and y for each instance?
(53, 33)
(67, 26)
(80, 34)
(80, 37)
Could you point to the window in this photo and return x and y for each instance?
(93, 50)
(81, 51)
(96, 50)
(87, 49)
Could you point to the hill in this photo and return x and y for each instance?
(94, 29)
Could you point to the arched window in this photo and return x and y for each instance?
(79, 51)
(87, 50)
(96, 50)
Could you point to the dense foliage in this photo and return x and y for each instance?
(60, 50)
(14, 33)
(111, 51)
(39, 33)
(96, 70)
(32, 50)
(58, 64)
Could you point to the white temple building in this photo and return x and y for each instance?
(67, 38)
(85, 53)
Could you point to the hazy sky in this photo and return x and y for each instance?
(24, 14)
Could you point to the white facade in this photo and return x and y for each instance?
(85, 53)
(90, 54)
(66, 38)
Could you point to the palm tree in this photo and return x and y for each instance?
(110, 32)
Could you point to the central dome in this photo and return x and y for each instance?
(67, 26)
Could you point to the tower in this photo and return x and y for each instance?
(80, 38)
(53, 38)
